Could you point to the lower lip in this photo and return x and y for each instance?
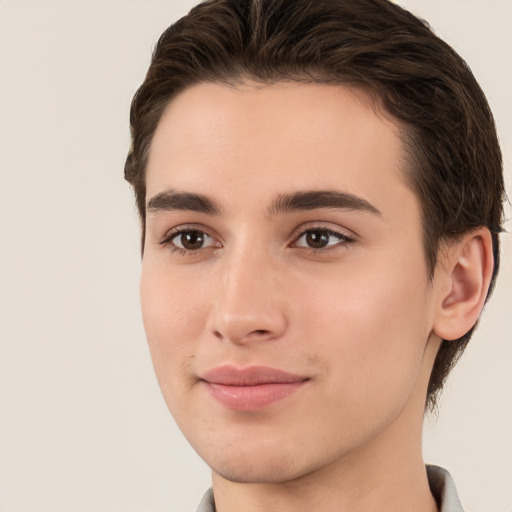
(252, 398)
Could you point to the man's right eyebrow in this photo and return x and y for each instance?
(170, 200)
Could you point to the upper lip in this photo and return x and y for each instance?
(228, 375)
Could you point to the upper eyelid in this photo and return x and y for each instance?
(176, 230)
(327, 226)
(343, 240)
(330, 232)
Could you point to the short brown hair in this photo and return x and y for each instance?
(455, 165)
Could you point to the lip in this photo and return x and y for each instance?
(251, 389)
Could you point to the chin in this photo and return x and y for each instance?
(257, 472)
(259, 466)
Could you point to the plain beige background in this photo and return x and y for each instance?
(82, 423)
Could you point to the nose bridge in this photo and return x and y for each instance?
(248, 306)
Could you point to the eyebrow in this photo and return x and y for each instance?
(170, 200)
(313, 200)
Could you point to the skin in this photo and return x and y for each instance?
(358, 318)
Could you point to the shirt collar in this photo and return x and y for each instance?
(440, 481)
(207, 503)
(443, 489)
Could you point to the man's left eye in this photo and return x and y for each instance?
(320, 239)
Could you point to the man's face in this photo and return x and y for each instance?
(284, 290)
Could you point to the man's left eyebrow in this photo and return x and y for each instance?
(314, 200)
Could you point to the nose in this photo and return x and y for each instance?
(250, 304)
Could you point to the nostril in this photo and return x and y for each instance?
(240, 337)
(260, 332)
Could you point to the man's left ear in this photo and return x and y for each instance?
(464, 274)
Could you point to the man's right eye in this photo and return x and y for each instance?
(189, 240)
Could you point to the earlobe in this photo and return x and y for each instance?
(466, 273)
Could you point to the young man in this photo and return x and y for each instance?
(320, 190)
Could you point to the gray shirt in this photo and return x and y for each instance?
(441, 484)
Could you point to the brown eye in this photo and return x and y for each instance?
(192, 240)
(317, 239)
(322, 238)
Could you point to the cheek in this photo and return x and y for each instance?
(173, 319)
(371, 327)
(170, 303)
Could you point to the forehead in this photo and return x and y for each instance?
(252, 141)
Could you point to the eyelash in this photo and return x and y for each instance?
(171, 235)
(344, 240)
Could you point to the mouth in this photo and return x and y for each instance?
(251, 389)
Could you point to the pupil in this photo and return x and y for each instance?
(192, 240)
(317, 239)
